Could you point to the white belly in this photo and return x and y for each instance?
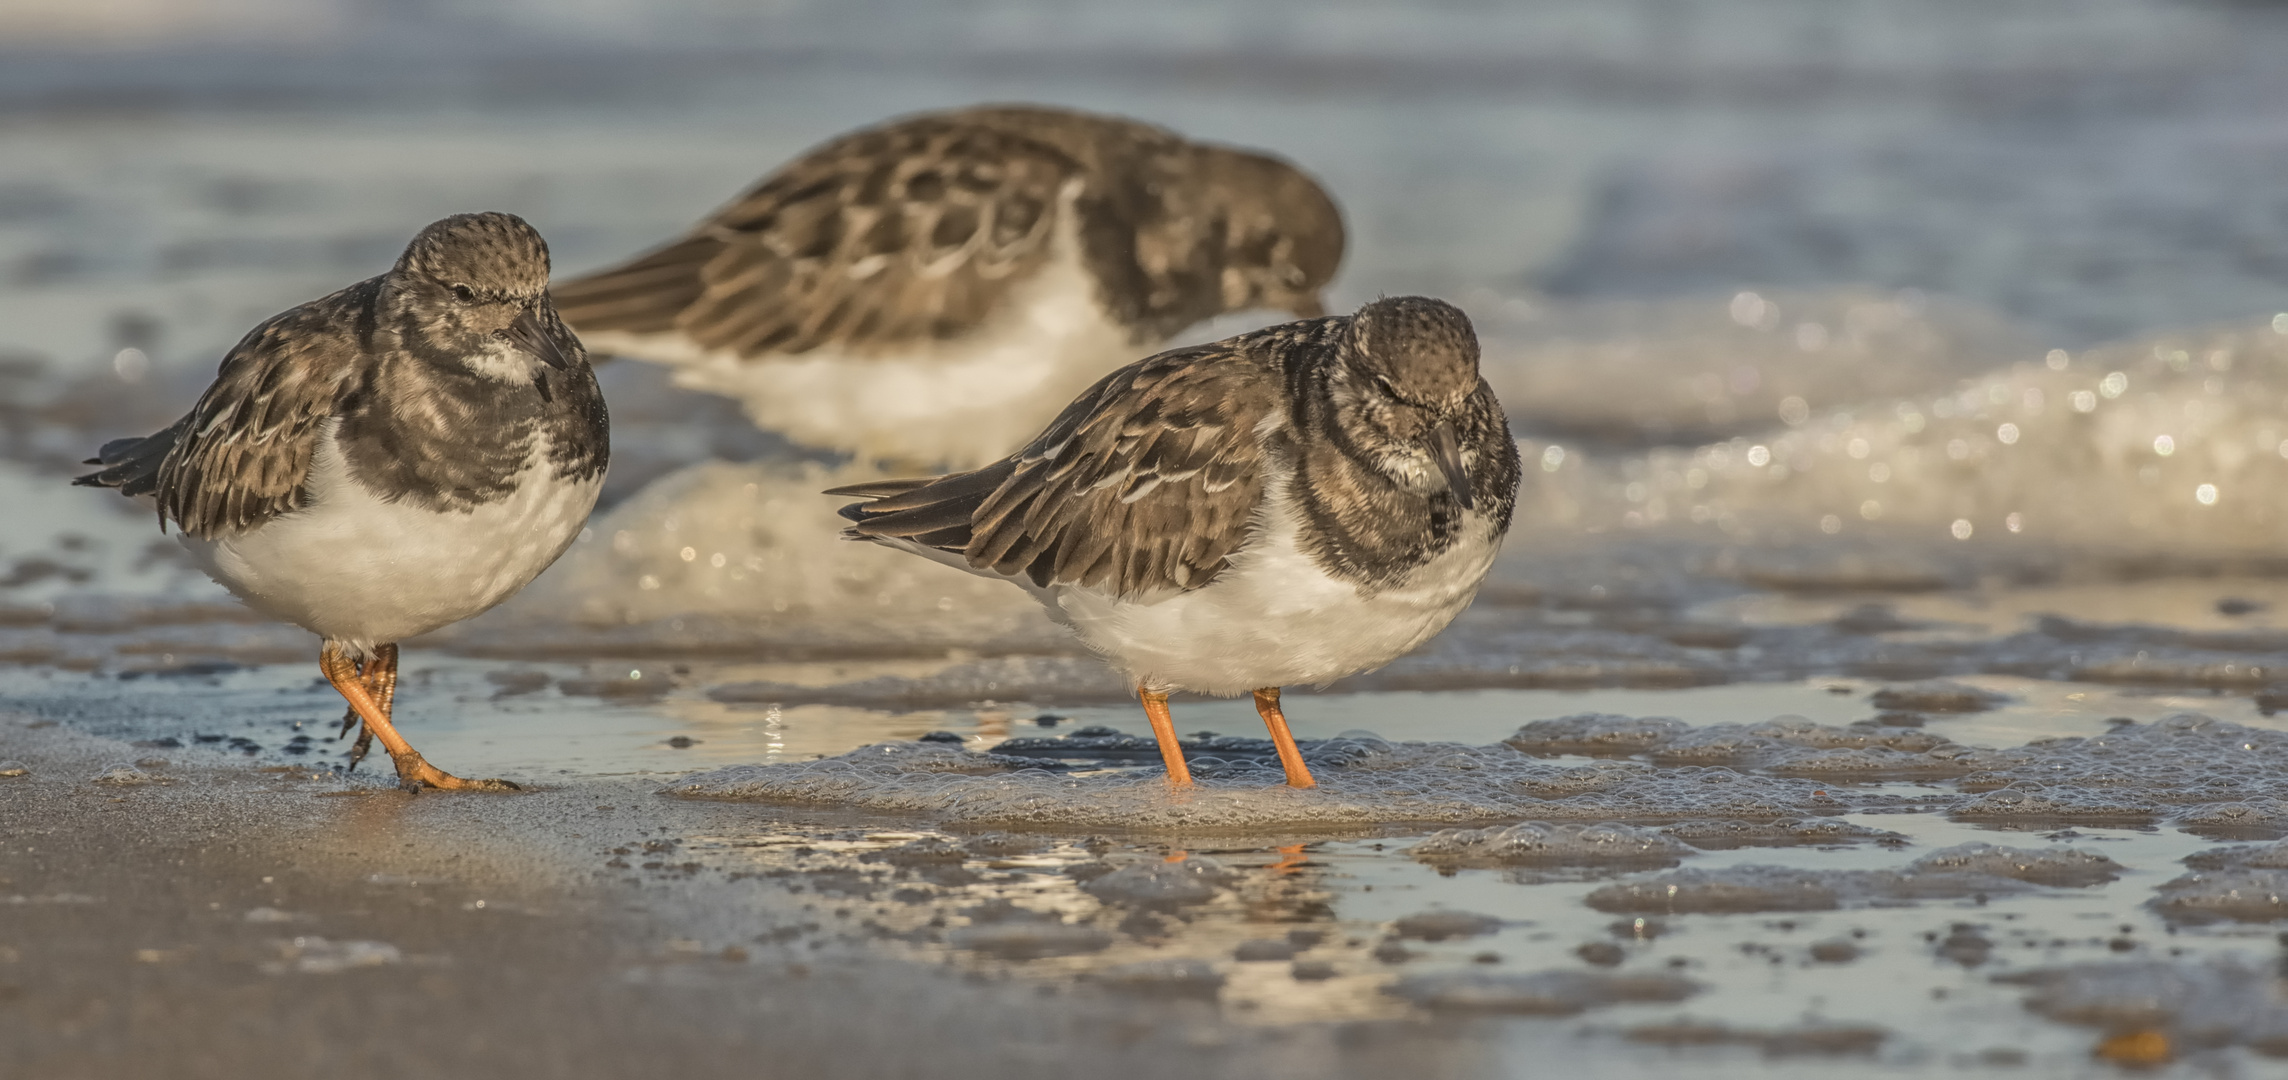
(1274, 618)
(356, 569)
(959, 403)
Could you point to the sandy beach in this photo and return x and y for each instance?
(218, 921)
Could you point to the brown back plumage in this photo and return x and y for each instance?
(242, 453)
(1145, 484)
(918, 229)
(908, 232)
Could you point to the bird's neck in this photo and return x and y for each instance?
(1358, 521)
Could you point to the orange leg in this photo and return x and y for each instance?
(380, 675)
(1290, 758)
(381, 678)
(412, 772)
(1164, 730)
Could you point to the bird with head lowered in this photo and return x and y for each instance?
(934, 289)
(1293, 505)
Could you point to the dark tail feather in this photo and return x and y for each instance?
(871, 491)
(934, 511)
(936, 520)
(880, 489)
(131, 465)
(640, 297)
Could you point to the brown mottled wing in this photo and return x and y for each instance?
(1148, 483)
(912, 231)
(243, 453)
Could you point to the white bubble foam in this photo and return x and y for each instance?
(2218, 1002)
(1539, 844)
(1543, 993)
(2215, 895)
(1360, 784)
(1968, 870)
(1166, 884)
(1029, 940)
(1930, 471)
(1719, 786)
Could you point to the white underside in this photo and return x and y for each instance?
(959, 403)
(354, 568)
(1273, 617)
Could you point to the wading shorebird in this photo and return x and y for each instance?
(1292, 505)
(932, 290)
(393, 458)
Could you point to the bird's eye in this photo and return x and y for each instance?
(1387, 388)
(466, 293)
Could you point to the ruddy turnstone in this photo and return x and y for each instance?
(387, 460)
(1292, 505)
(933, 290)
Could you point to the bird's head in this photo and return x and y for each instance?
(1283, 235)
(1408, 373)
(472, 289)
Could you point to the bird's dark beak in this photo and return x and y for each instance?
(534, 338)
(1309, 306)
(1446, 447)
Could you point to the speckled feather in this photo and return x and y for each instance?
(916, 230)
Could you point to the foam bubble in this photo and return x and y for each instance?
(1442, 925)
(1029, 940)
(1727, 785)
(721, 555)
(1827, 1039)
(2077, 466)
(1539, 844)
(1597, 733)
(2067, 867)
(1543, 993)
(1791, 746)
(1041, 679)
(927, 851)
(122, 774)
(1721, 835)
(1361, 783)
(1630, 371)
(1161, 885)
(314, 955)
(1937, 696)
(2240, 895)
(1179, 977)
(2136, 771)
(1733, 889)
(1968, 870)
(2272, 856)
(2219, 1002)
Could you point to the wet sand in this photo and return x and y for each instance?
(207, 908)
(151, 930)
